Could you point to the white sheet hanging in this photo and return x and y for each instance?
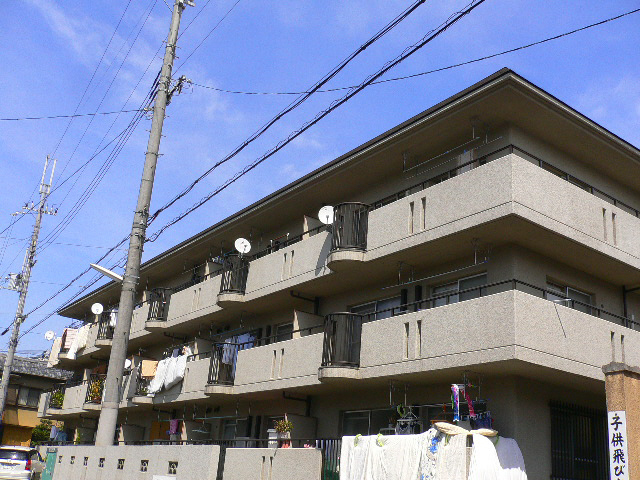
(484, 460)
(451, 463)
(178, 369)
(170, 376)
(73, 348)
(55, 350)
(157, 382)
(511, 460)
(113, 318)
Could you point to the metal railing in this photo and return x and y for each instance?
(95, 388)
(234, 274)
(224, 355)
(158, 304)
(494, 155)
(350, 225)
(105, 329)
(142, 383)
(343, 330)
(56, 396)
(290, 240)
(578, 442)
(341, 345)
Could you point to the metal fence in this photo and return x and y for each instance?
(105, 328)
(350, 226)
(95, 388)
(578, 443)
(234, 274)
(341, 345)
(158, 304)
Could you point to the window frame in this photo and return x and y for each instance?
(456, 292)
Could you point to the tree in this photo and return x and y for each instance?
(42, 431)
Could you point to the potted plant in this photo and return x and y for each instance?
(283, 428)
(57, 399)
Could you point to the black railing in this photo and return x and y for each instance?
(343, 330)
(56, 396)
(578, 443)
(105, 327)
(142, 383)
(234, 274)
(222, 369)
(494, 155)
(350, 225)
(95, 388)
(276, 245)
(158, 304)
(342, 333)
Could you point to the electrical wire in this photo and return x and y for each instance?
(75, 115)
(335, 104)
(194, 18)
(92, 76)
(428, 72)
(295, 103)
(215, 27)
(454, 18)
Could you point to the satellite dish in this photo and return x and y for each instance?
(50, 335)
(97, 308)
(242, 245)
(127, 363)
(325, 214)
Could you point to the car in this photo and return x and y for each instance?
(20, 463)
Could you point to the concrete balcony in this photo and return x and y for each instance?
(192, 387)
(506, 332)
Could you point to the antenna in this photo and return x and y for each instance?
(325, 215)
(242, 245)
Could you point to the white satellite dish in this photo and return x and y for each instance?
(242, 245)
(325, 214)
(50, 335)
(97, 308)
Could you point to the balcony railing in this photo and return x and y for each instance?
(158, 304)
(106, 325)
(342, 333)
(95, 388)
(234, 274)
(56, 396)
(494, 155)
(222, 370)
(142, 383)
(350, 225)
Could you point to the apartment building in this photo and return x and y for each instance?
(490, 242)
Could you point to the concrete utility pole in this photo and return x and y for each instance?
(109, 413)
(20, 282)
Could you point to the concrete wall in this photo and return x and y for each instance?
(272, 464)
(195, 462)
(283, 364)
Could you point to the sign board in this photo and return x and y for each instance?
(618, 452)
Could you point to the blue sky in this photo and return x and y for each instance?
(51, 49)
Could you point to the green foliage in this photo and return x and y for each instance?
(42, 431)
(283, 426)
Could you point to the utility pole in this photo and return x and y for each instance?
(111, 399)
(20, 282)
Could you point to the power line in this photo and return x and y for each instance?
(295, 103)
(75, 115)
(335, 104)
(405, 77)
(194, 18)
(409, 51)
(92, 76)
(208, 34)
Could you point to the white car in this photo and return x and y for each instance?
(20, 463)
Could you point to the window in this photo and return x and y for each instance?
(144, 464)
(570, 297)
(578, 443)
(470, 287)
(28, 397)
(101, 463)
(284, 332)
(382, 308)
(173, 468)
(120, 464)
(367, 422)
(235, 427)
